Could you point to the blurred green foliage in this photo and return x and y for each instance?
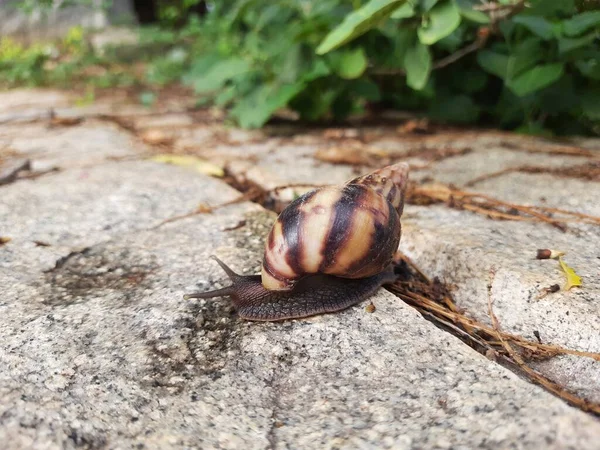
(533, 66)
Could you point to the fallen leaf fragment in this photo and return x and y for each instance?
(203, 208)
(65, 121)
(415, 126)
(353, 153)
(157, 137)
(572, 278)
(191, 162)
(4, 240)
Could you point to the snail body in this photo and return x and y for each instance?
(329, 249)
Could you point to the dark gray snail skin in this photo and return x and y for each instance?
(316, 294)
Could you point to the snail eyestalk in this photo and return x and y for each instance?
(223, 292)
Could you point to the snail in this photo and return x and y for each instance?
(329, 249)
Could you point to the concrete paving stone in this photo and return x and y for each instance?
(162, 372)
(460, 248)
(80, 207)
(470, 244)
(27, 104)
(572, 194)
(99, 349)
(460, 170)
(61, 147)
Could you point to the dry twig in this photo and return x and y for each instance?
(533, 375)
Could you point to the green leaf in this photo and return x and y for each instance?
(318, 70)
(561, 97)
(444, 18)
(465, 80)
(405, 11)
(535, 79)
(589, 68)
(426, 5)
(551, 8)
(200, 66)
(453, 41)
(494, 63)
(567, 44)
(351, 63)
(291, 65)
(226, 96)
(581, 23)
(417, 62)
(366, 89)
(219, 73)
(537, 25)
(590, 104)
(467, 11)
(455, 109)
(313, 104)
(254, 110)
(357, 23)
(524, 55)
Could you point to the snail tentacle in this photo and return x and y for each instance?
(223, 292)
(316, 294)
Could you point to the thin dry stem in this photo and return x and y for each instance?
(534, 376)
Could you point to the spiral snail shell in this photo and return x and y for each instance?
(329, 249)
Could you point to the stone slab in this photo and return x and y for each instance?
(59, 147)
(461, 247)
(80, 207)
(90, 359)
(100, 350)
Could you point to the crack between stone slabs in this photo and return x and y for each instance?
(276, 423)
(13, 176)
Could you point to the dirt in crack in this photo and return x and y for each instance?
(98, 268)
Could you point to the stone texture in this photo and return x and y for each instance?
(100, 351)
(61, 147)
(96, 359)
(460, 247)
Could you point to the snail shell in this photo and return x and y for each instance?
(350, 231)
(329, 249)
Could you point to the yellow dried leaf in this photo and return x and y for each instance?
(191, 162)
(572, 278)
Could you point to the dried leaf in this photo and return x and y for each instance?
(65, 121)
(157, 137)
(415, 126)
(572, 278)
(191, 162)
(353, 153)
(4, 240)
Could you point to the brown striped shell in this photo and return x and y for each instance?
(350, 231)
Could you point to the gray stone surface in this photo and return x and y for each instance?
(60, 147)
(461, 247)
(100, 351)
